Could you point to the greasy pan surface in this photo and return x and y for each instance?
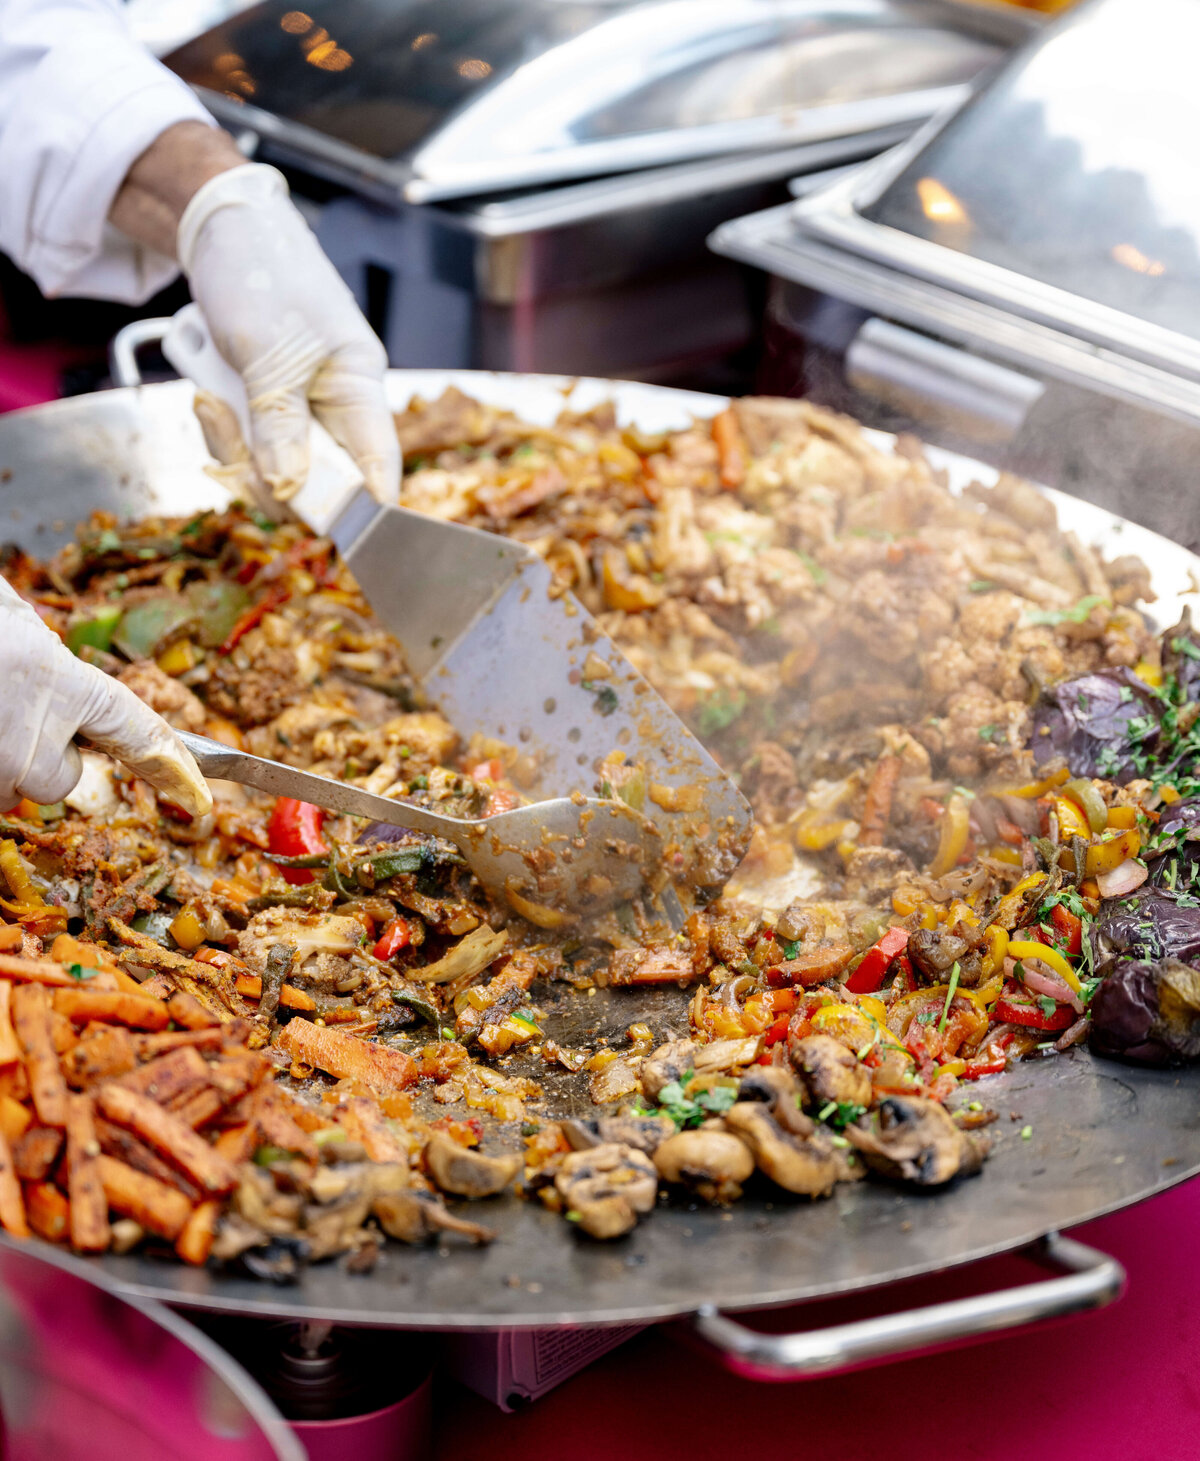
(1101, 1135)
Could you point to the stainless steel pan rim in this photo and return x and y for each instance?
(1101, 1136)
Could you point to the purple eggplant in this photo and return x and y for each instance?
(1148, 1013)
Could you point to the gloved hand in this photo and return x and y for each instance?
(49, 695)
(281, 315)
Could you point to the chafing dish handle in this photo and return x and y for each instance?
(1091, 1281)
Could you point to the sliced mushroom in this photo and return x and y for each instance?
(830, 1071)
(607, 1187)
(915, 1140)
(467, 1173)
(670, 1062)
(725, 1054)
(711, 1160)
(412, 1216)
(805, 1164)
(644, 1133)
(777, 1088)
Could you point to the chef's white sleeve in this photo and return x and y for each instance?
(80, 101)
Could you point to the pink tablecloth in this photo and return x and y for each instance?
(1121, 1383)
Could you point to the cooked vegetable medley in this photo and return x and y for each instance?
(271, 1037)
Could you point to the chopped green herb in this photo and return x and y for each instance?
(1047, 1005)
(1026, 1132)
(987, 732)
(1077, 614)
(77, 971)
(954, 973)
(1187, 647)
(980, 585)
(791, 949)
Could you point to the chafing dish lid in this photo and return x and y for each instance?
(443, 100)
(1067, 191)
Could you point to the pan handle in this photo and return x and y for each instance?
(1090, 1281)
(122, 353)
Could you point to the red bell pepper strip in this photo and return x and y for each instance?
(875, 963)
(254, 616)
(1070, 930)
(906, 980)
(396, 936)
(1016, 1007)
(778, 1031)
(295, 831)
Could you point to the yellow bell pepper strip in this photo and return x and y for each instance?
(17, 876)
(1168, 794)
(1071, 819)
(952, 839)
(1031, 949)
(997, 949)
(812, 834)
(1037, 788)
(1086, 794)
(1011, 908)
(1122, 819)
(1102, 857)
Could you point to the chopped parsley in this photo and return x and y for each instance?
(77, 971)
(987, 732)
(719, 710)
(1187, 647)
(950, 992)
(1076, 614)
(980, 585)
(685, 1111)
(606, 697)
(791, 949)
(1047, 1005)
(840, 1114)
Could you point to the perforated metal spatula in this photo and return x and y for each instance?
(502, 653)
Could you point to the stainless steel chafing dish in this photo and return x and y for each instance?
(1021, 278)
(526, 184)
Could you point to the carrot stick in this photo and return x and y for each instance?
(169, 1137)
(278, 1127)
(149, 1046)
(48, 1211)
(364, 1122)
(346, 1056)
(41, 971)
(11, 937)
(90, 1232)
(136, 1010)
(9, 1049)
(116, 1142)
(196, 1240)
(187, 1011)
(31, 1018)
(36, 1154)
(107, 1055)
(731, 449)
(169, 1077)
(14, 1119)
(158, 1208)
(12, 1204)
(250, 985)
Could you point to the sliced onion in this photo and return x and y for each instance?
(1122, 879)
(1039, 978)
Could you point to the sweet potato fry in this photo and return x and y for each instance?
(346, 1056)
(14, 1119)
(90, 1232)
(170, 1077)
(42, 971)
(14, 1081)
(364, 1122)
(108, 1055)
(12, 1204)
(160, 1209)
(138, 1011)
(36, 1154)
(250, 987)
(31, 1019)
(116, 1142)
(9, 1049)
(176, 1143)
(186, 1010)
(200, 1107)
(63, 1034)
(276, 1126)
(196, 1240)
(159, 986)
(11, 936)
(48, 1211)
(147, 1047)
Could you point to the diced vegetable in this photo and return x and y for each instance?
(1085, 792)
(1017, 1007)
(218, 605)
(396, 936)
(295, 831)
(1031, 949)
(148, 628)
(875, 963)
(955, 828)
(96, 630)
(1103, 857)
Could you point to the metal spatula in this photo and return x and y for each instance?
(502, 653)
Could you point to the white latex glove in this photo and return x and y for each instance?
(281, 315)
(49, 695)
